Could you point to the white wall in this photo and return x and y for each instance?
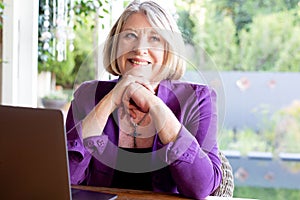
(20, 42)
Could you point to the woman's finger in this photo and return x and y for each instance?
(146, 85)
(134, 97)
(126, 98)
(132, 113)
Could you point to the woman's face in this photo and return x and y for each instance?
(140, 49)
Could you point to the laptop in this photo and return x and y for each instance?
(33, 157)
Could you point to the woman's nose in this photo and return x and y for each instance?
(141, 46)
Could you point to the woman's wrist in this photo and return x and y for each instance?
(108, 104)
(166, 123)
(94, 122)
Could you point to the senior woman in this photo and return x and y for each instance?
(146, 130)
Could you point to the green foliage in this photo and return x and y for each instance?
(220, 43)
(57, 95)
(85, 8)
(287, 128)
(1, 13)
(238, 10)
(271, 43)
(66, 72)
(52, 65)
(266, 193)
(244, 141)
(280, 133)
(243, 11)
(186, 25)
(244, 35)
(289, 56)
(83, 67)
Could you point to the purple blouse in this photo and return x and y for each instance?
(189, 166)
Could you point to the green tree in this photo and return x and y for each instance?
(243, 11)
(271, 43)
(219, 40)
(186, 25)
(244, 35)
(289, 56)
(213, 39)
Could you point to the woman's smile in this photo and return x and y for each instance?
(138, 62)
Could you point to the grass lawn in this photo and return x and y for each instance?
(266, 193)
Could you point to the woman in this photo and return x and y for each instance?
(145, 130)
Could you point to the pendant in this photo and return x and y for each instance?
(135, 134)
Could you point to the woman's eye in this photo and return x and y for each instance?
(155, 38)
(130, 36)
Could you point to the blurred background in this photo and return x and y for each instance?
(252, 48)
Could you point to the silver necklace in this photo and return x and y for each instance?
(135, 134)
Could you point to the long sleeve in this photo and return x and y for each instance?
(85, 98)
(193, 157)
(81, 152)
(79, 157)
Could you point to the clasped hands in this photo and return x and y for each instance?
(138, 95)
(133, 93)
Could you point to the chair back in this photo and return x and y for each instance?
(226, 187)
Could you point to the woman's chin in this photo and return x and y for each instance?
(141, 71)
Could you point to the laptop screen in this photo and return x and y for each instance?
(33, 156)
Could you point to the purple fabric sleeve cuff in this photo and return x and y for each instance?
(96, 144)
(184, 149)
(102, 149)
(75, 146)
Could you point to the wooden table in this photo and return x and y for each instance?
(127, 194)
(132, 194)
